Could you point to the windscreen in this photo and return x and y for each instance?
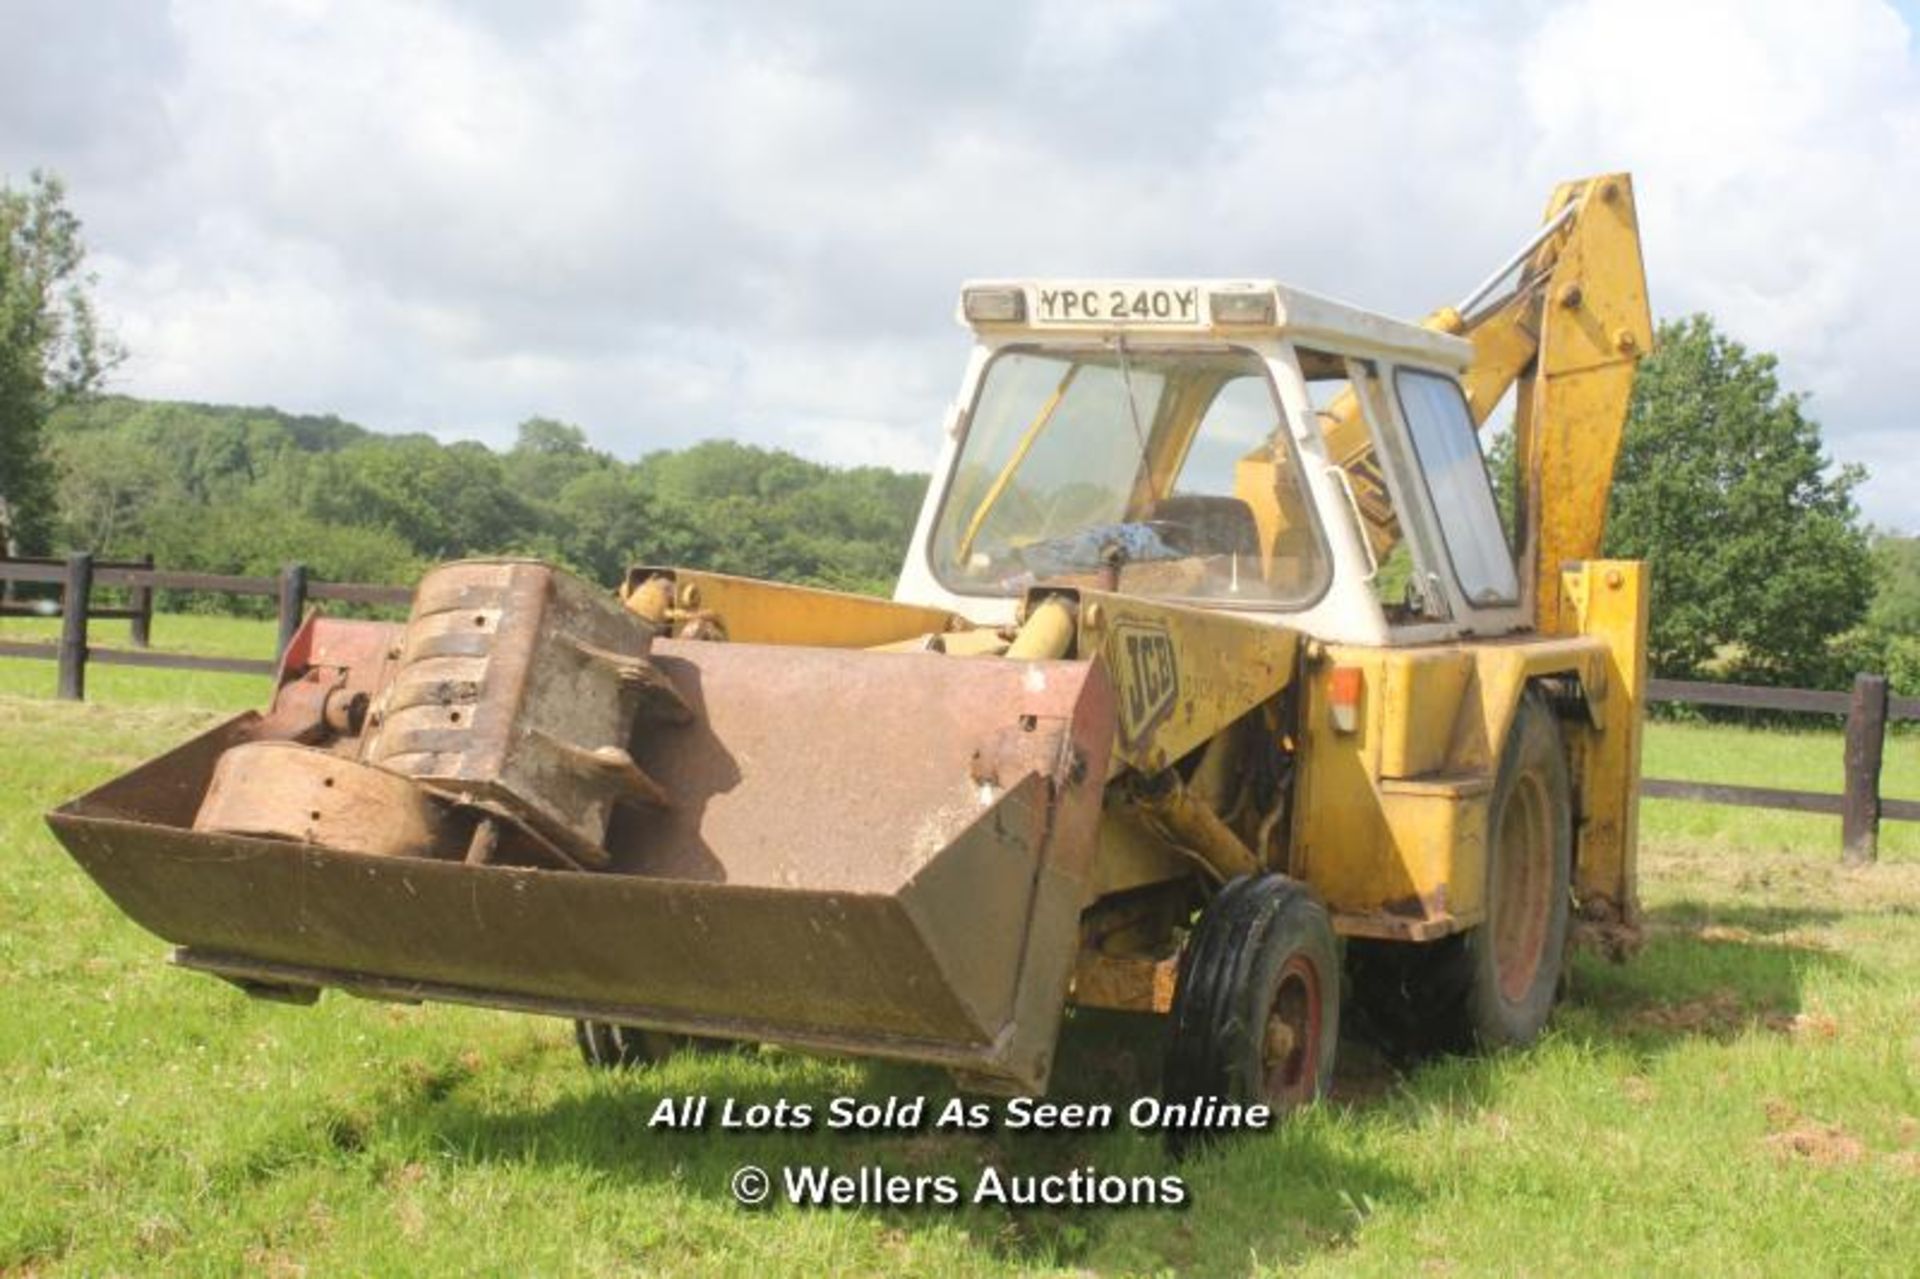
(1156, 472)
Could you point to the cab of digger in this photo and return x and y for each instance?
(1222, 444)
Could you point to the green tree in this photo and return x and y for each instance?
(254, 534)
(106, 489)
(1896, 606)
(444, 500)
(548, 455)
(51, 349)
(1758, 555)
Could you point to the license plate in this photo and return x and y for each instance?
(1111, 305)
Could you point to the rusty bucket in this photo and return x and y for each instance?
(877, 853)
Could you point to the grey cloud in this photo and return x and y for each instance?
(669, 220)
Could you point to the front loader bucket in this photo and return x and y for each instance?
(883, 854)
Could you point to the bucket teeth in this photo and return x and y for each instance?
(507, 704)
(656, 699)
(616, 767)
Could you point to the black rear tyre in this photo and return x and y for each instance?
(1256, 1011)
(1514, 959)
(1493, 986)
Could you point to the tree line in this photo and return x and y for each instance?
(244, 490)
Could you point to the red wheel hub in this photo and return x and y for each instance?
(1523, 881)
(1290, 1041)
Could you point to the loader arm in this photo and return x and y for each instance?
(1565, 321)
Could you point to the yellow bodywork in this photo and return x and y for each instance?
(750, 611)
(1389, 819)
(1392, 816)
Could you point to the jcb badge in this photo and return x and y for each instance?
(1149, 678)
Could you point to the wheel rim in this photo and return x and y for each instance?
(1522, 887)
(1290, 1042)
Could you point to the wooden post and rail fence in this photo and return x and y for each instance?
(77, 575)
(1868, 708)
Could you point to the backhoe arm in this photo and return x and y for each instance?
(1568, 329)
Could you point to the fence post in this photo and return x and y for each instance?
(293, 602)
(1866, 740)
(74, 607)
(140, 600)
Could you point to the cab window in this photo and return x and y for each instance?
(1162, 473)
(1455, 472)
(1351, 404)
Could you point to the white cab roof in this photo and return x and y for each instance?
(1193, 307)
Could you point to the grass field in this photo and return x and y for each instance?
(1742, 1097)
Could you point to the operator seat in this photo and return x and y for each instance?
(1205, 524)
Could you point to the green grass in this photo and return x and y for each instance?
(1741, 1097)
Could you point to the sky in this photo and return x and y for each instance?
(671, 221)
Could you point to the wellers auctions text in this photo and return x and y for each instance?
(870, 1187)
(957, 1114)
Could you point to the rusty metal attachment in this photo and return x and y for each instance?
(496, 725)
(278, 790)
(516, 692)
(328, 676)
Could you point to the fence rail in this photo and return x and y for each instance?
(138, 612)
(78, 575)
(132, 576)
(1867, 708)
(1861, 808)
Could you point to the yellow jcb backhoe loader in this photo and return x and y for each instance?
(1211, 675)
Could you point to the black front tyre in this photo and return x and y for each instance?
(606, 1046)
(1256, 1011)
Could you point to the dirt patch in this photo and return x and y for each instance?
(1792, 939)
(1800, 937)
(274, 1263)
(1822, 1145)
(1798, 1139)
(1813, 1026)
(1720, 1014)
(407, 1174)
(1787, 881)
(151, 1236)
